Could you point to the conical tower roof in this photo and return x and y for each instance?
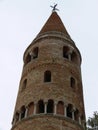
(54, 23)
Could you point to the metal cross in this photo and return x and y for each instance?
(54, 8)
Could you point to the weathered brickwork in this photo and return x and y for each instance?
(47, 122)
(50, 93)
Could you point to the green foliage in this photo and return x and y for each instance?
(93, 121)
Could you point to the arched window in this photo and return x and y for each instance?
(23, 110)
(47, 76)
(69, 111)
(60, 108)
(28, 58)
(76, 115)
(66, 52)
(16, 117)
(35, 53)
(72, 82)
(41, 106)
(24, 84)
(74, 57)
(50, 106)
(30, 108)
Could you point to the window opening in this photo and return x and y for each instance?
(60, 108)
(40, 107)
(23, 112)
(76, 115)
(74, 57)
(17, 116)
(66, 52)
(69, 111)
(47, 76)
(24, 84)
(35, 53)
(50, 106)
(72, 82)
(30, 108)
(28, 58)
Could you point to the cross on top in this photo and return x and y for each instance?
(54, 8)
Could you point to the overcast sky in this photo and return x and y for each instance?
(21, 21)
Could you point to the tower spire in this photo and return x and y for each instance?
(54, 23)
(50, 93)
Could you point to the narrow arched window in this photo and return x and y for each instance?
(69, 111)
(50, 106)
(30, 108)
(74, 57)
(60, 108)
(72, 82)
(16, 117)
(76, 115)
(35, 53)
(66, 52)
(24, 84)
(47, 76)
(28, 58)
(41, 106)
(23, 110)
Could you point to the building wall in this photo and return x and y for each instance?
(33, 88)
(47, 123)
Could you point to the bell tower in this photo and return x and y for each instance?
(50, 95)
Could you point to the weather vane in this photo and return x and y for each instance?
(54, 8)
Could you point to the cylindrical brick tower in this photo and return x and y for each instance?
(50, 93)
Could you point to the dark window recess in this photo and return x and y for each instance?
(69, 111)
(40, 107)
(47, 76)
(24, 84)
(28, 59)
(65, 52)
(35, 53)
(72, 82)
(17, 116)
(23, 112)
(74, 58)
(50, 106)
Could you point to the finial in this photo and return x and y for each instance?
(54, 8)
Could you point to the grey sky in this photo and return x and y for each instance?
(21, 21)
